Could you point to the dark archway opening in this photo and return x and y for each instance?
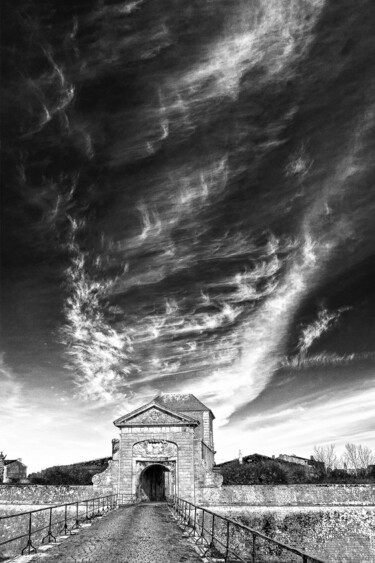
(153, 482)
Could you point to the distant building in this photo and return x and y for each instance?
(301, 460)
(12, 470)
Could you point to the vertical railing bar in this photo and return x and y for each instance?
(77, 524)
(65, 520)
(254, 552)
(227, 543)
(213, 531)
(49, 533)
(29, 544)
(188, 520)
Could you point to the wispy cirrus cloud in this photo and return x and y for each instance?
(264, 335)
(324, 322)
(99, 354)
(326, 359)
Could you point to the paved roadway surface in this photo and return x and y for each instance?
(145, 533)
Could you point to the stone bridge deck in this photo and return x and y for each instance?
(144, 533)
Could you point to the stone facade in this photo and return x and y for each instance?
(12, 470)
(166, 447)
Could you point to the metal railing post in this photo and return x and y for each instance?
(227, 543)
(77, 524)
(212, 531)
(254, 550)
(49, 533)
(211, 544)
(87, 511)
(29, 546)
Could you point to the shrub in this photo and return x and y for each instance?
(76, 474)
(259, 473)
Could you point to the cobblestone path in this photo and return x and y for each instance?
(139, 534)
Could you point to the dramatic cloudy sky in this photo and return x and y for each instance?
(188, 206)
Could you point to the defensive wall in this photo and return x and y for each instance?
(333, 522)
(336, 534)
(288, 495)
(231, 495)
(44, 494)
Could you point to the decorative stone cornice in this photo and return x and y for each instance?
(153, 414)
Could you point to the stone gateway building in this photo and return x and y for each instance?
(165, 447)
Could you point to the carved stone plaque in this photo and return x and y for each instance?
(155, 449)
(154, 416)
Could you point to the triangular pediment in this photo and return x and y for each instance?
(154, 415)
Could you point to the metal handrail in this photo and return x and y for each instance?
(185, 508)
(92, 508)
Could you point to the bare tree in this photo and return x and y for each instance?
(327, 455)
(358, 457)
(366, 456)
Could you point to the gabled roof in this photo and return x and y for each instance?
(9, 461)
(181, 402)
(169, 417)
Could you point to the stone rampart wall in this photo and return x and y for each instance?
(288, 495)
(334, 534)
(44, 494)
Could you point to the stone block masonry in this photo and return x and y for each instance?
(341, 534)
(128, 478)
(289, 495)
(335, 523)
(44, 494)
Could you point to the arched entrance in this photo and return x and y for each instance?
(154, 482)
